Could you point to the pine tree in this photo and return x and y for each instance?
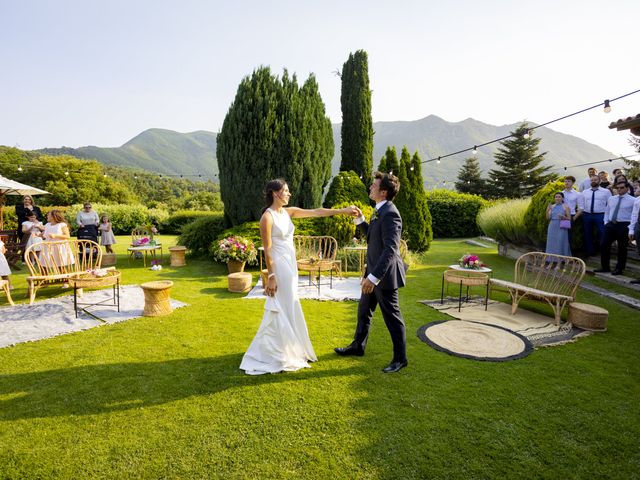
(521, 174)
(470, 178)
(389, 163)
(357, 124)
(273, 129)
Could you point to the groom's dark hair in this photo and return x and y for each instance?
(274, 185)
(388, 183)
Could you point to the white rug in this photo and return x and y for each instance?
(48, 318)
(343, 289)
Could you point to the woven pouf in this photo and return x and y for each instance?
(177, 256)
(108, 260)
(239, 282)
(588, 317)
(156, 298)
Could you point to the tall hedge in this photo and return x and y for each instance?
(273, 129)
(454, 214)
(357, 122)
(346, 187)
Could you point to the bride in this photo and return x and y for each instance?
(282, 342)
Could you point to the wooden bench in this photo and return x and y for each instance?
(55, 262)
(541, 276)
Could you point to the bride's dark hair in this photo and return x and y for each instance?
(274, 185)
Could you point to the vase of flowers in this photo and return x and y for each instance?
(472, 262)
(236, 251)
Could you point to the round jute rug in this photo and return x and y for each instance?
(477, 341)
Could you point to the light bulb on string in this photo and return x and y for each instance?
(66, 173)
(607, 106)
(526, 134)
(475, 150)
(104, 175)
(411, 168)
(19, 168)
(438, 161)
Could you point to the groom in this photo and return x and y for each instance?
(384, 274)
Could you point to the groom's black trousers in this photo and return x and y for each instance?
(390, 308)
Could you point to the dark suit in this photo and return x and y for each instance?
(384, 263)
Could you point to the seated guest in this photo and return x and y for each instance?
(586, 183)
(593, 203)
(617, 217)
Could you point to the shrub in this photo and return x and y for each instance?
(454, 215)
(198, 235)
(346, 187)
(11, 220)
(504, 221)
(341, 227)
(177, 220)
(124, 218)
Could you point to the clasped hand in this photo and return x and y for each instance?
(271, 287)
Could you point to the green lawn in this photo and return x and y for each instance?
(164, 398)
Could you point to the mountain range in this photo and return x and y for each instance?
(169, 152)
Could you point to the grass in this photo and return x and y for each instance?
(163, 397)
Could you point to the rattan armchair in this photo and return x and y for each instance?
(317, 254)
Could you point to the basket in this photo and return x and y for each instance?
(157, 301)
(239, 282)
(177, 256)
(87, 280)
(588, 317)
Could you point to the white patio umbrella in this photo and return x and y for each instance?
(10, 187)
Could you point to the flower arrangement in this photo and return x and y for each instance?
(155, 265)
(98, 272)
(471, 261)
(235, 248)
(142, 242)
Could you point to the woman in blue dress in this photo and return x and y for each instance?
(558, 238)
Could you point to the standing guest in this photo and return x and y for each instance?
(34, 229)
(617, 171)
(573, 199)
(384, 274)
(604, 180)
(87, 220)
(594, 202)
(634, 228)
(617, 217)
(5, 271)
(106, 233)
(58, 254)
(636, 187)
(557, 237)
(622, 178)
(586, 183)
(22, 212)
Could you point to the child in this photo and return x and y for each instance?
(5, 271)
(33, 228)
(106, 233)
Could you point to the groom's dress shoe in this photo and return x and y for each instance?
(350, 350)
(395, 367)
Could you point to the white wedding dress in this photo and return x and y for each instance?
(282, 342)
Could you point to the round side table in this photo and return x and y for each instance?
(177, 256)
(157, 301)
(467, 278)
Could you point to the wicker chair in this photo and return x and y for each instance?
(541, 276)
(138, 234)
(317, 254)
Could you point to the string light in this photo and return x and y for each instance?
(19, 168)
(607, 106)
(438, 160)
(526, 134)
(475, 150)
(66, 173)
(411, 168)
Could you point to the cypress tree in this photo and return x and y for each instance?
(357, 124)
(470, 178)
(521, 174)
(273, 129)
(389, 163)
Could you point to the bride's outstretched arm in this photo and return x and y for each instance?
(295, 212)
(266, 223)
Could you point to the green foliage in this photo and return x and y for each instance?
(633, 166)
(454, 214)
(124, 218)
(346, 187)
(520, 173)
(198, 235)
(177, 220)
(309, 225)
(248, 230)
(535, 218)
(504, 221)
(389, 162)
(470, 178)
(411, 200)
(357, 123)
(273, 129)
(341, 227)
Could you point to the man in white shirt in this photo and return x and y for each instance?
(571, 198)
(634, 229)
(617, 218)
(593, 204)
(586, 183)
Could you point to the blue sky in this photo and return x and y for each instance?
(80, 73)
